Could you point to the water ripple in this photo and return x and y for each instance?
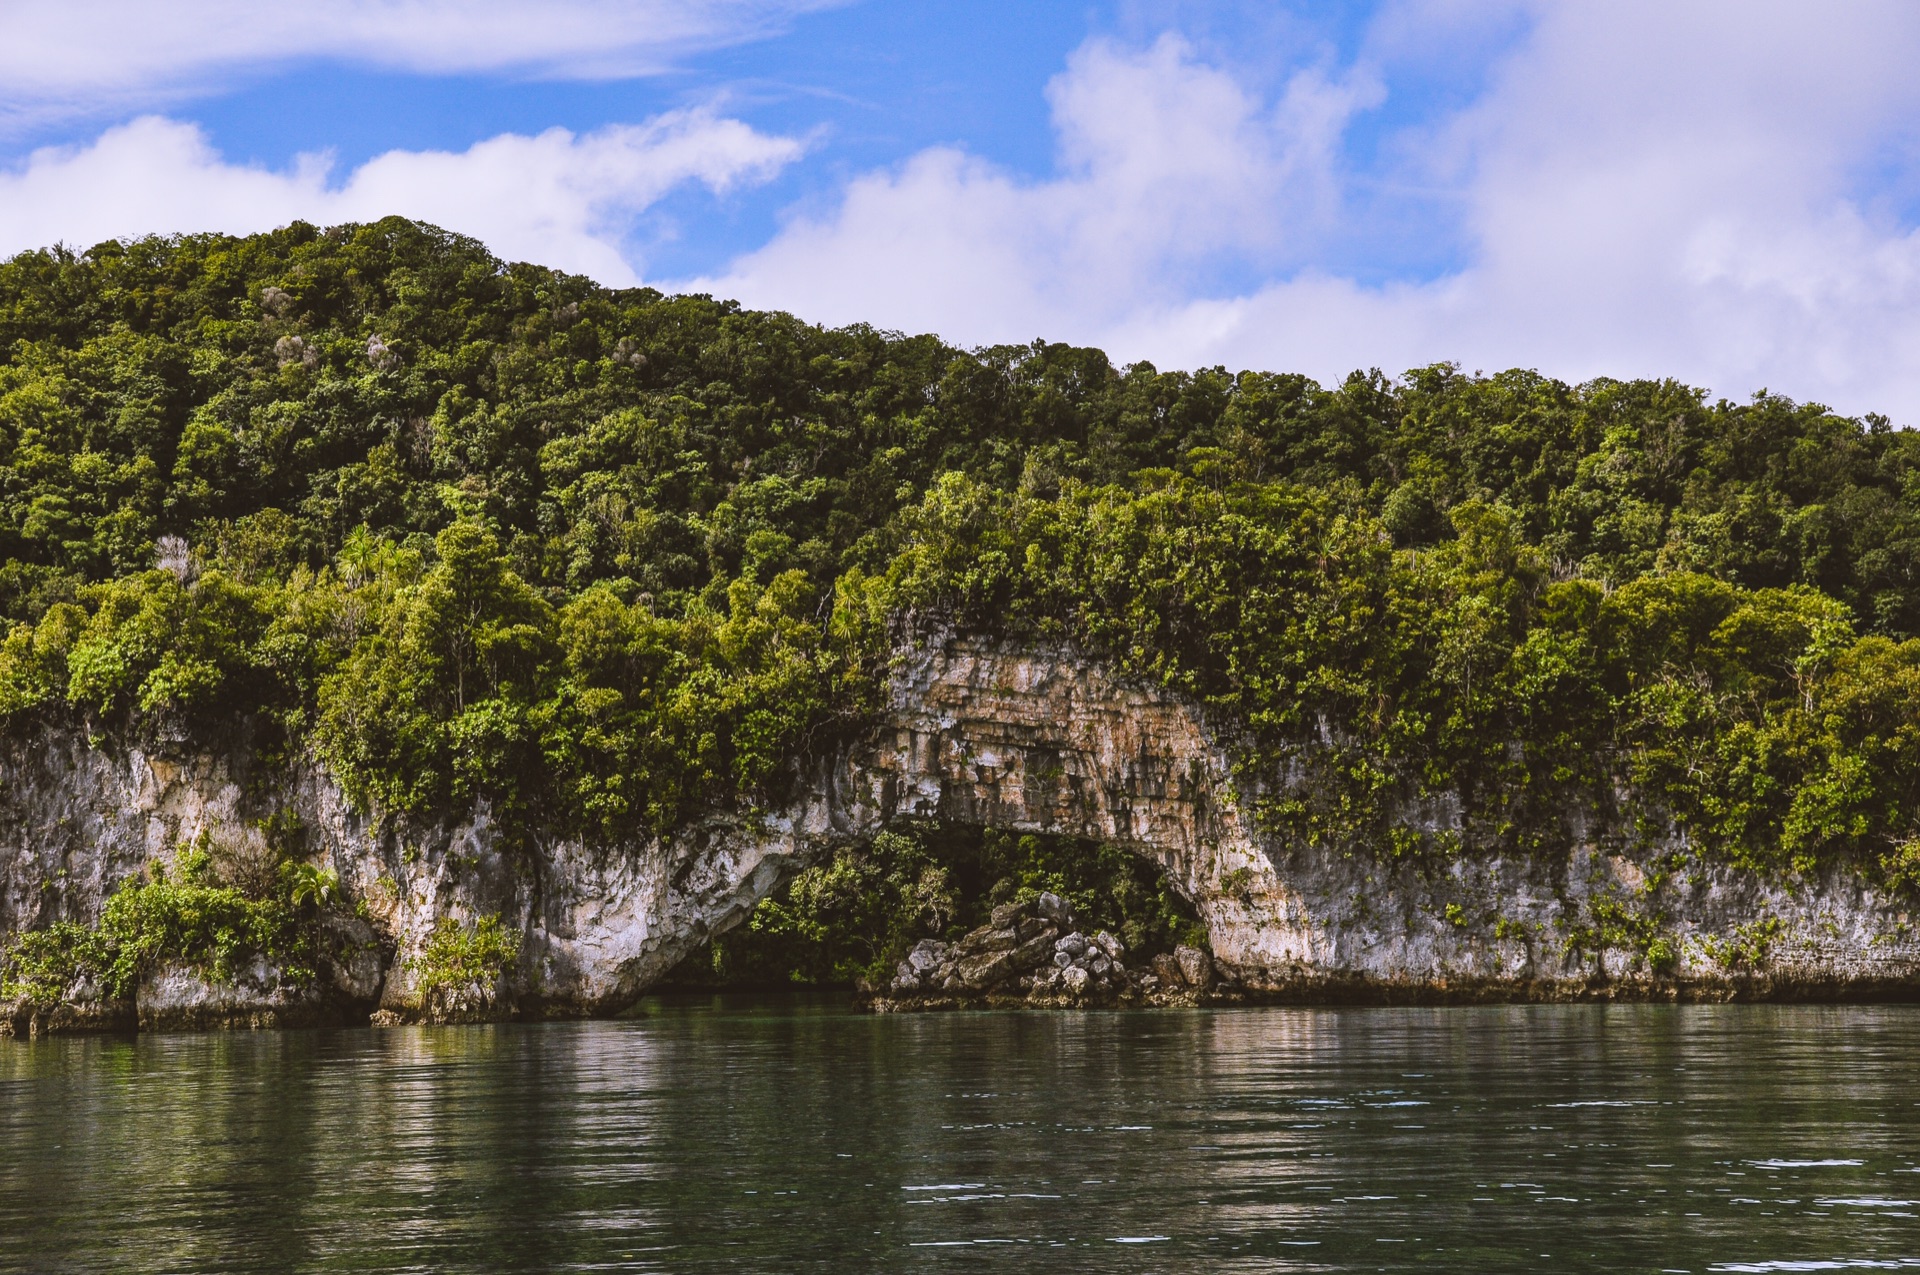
(799, 1138)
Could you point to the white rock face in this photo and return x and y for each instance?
(1021, 738)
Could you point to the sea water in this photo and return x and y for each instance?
(786, 1135)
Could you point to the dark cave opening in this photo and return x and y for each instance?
(847, 920)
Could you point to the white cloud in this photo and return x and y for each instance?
(563, 200)
(1169, 168)
(1645, 189)
(1722, 192)
(86, 56)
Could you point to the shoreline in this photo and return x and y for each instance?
(26, 1023)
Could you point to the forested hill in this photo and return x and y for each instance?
(608, 558)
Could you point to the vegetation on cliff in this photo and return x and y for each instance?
(608, 558)
(186, 912)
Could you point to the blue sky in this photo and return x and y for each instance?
(868, 84)
(1721, 192)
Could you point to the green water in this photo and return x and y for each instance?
(789, 1136)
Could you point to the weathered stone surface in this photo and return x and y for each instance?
(180, 998)
(1040, 972)
(83, 1011)
(1022, 738)
(1035, 951)
(985, 969)
(990, 940)
(926, 954)
(983, 960)
(1053, 908)
(1196, 967)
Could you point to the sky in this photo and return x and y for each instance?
(1724, 193)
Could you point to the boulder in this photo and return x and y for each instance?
(1036, 950)
(926, 955)
(1196, 967)
(988, 939)
(981, 971)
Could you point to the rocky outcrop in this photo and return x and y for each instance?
(178, 997)
(1039, 739)
(1026, 738)
(1032, 954)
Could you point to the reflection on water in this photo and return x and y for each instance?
(794, 1137)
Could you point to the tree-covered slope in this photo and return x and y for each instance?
(608, 558)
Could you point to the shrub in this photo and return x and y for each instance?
(459, 959)
(176, 915)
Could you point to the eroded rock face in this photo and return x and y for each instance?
(1023, 738)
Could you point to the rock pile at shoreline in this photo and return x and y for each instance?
(1032, 953)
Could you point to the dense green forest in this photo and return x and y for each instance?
(606, 558)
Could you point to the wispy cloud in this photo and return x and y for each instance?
(563, 200)
(101, 56)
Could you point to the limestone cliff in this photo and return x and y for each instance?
(1033, 739)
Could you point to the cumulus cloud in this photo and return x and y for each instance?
(93, 55)
(1170, 171)
(1685, 189)
(561, 199)
(1722, 191)
(1715, 191)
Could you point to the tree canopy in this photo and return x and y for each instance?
(608, 558)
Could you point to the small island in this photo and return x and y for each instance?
(394, 634)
